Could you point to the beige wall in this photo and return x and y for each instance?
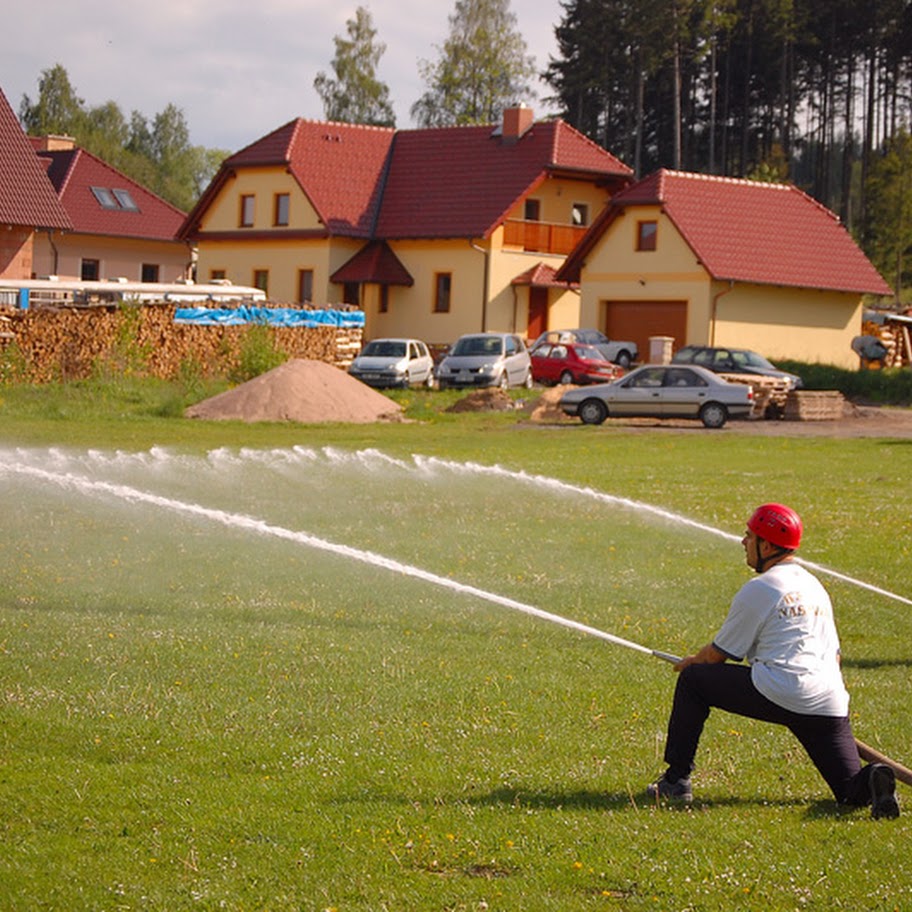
(224, 213)
(805, 325)
(801, 324)
(557, 197)
(616, 270)
(117, 257)
(283, 259)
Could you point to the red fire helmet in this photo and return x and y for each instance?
(778, 524)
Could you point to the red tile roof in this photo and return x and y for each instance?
(541, 275)
(375, 182)
(26, 195)
(746, 231)
(462, 181)
(375, 262)
(74, 172)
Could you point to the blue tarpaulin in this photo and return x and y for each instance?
(267, 316)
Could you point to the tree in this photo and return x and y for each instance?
(356, 95)
(482, 68)
(58, 110)
(889, 194)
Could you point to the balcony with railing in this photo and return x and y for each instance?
(542, 237)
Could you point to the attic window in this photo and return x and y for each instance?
(114, 199)
(126, 201)
(647, 235)
(105, 198)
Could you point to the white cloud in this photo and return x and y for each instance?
(236, 69)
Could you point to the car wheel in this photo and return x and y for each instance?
(529, 381)
(593, 411)
(623, 359)
(504, 381)
(566, 378)
(713, 415)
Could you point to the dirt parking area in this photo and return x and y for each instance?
(856, 421)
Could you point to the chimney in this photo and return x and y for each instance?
(517, 121)
(53, 143)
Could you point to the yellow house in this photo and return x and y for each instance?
(716, 261)
(432, 233)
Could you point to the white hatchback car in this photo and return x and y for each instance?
(387, 363)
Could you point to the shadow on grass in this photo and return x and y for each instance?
(586, 799)
(877, 663)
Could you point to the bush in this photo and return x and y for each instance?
(892, 386)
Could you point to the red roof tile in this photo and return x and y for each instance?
(462, 181)
(375, 262)
(338, 166)
(26, 195)
(438, 183)
(74, 172)
(747, 231)
(541, 275)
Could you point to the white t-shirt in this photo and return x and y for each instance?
(781, 621)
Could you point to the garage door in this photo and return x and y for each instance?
(638, 320)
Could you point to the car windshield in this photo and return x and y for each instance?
(750, 359)
(477, 345)
(384, 348)
(590, 352)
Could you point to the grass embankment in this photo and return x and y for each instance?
(198, 716)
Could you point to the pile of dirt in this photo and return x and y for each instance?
(300, 390)
(493, 399)
(546, 409)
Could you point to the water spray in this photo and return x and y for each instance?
(240, 521)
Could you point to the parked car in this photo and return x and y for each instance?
(662, 391)
(733, 361)
(571, 362)
(623, 353)
(386, 363)
(486, 359)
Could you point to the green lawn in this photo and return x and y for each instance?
(203, 713)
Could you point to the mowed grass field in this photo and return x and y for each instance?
(201, 707)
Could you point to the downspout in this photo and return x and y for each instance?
(715, 309)
(54, 271)
(484, 290)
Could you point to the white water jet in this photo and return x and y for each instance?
(289, 462)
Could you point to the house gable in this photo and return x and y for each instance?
(746, 231)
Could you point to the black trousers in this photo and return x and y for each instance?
(828, 740)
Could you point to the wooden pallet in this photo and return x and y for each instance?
(814, 405)
(770, 393)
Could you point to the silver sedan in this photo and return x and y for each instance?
(662, 391)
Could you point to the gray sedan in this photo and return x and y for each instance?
(662, 391)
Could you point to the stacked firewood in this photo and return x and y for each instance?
(770, 393)
(69, 343)
(895, 338)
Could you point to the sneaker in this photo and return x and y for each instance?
(883, 792)
(679, 790)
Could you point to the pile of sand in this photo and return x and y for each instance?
(300, 390)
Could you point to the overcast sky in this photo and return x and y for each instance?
(238, 69)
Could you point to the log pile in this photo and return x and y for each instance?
(895, 337)
(69, 343)
(770, 393)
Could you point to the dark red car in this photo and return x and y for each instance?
(571, 362)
